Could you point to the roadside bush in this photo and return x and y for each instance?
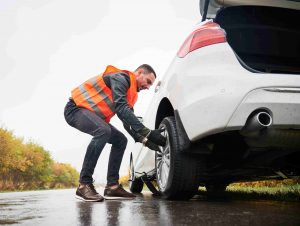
(26, 166)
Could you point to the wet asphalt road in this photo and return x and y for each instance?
(59, 207)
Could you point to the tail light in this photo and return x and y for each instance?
(208, 34)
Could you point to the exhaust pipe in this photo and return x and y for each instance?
(256, 123)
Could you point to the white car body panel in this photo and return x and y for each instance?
(212, 92)
(210, 102)
(143, 159)
(213, 96)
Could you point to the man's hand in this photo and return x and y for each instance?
(153, 135)
(156, 137)
(152, 146)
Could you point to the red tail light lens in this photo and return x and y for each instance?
(208, 34)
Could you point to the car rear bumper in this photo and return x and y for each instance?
(283, 104)
(216, 94)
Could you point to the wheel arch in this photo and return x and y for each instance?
(165, 109)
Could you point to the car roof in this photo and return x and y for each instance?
(209, 8)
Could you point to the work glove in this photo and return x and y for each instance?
(153, 135)
(152, 146)
(142, 139)
(136, 136)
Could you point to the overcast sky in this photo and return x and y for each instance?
(48, 47)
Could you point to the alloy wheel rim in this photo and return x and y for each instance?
(163, 162)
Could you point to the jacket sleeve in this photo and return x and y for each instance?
(120, 83)
(136, 136)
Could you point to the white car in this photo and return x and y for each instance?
(229, 101)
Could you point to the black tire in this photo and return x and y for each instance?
(183, 180)
(135, 184)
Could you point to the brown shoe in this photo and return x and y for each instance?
(117, 193)
(88, 193)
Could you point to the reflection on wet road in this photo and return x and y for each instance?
(59, 207)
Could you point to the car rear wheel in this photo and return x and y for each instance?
(135, 184)
(177, 173)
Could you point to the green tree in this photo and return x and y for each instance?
(30, 166)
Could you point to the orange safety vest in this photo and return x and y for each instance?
(95, 96)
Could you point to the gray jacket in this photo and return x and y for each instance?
(119, 83)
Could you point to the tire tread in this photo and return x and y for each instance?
(184, 181)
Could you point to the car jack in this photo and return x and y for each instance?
(148, 181)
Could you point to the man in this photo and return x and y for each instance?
(90, 109)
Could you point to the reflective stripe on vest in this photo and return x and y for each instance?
(97, 97)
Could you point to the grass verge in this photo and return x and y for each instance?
(289, 193)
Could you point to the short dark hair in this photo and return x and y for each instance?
(147, 68)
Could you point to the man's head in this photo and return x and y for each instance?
(145, 76)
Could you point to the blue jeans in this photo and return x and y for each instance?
(102, 132)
